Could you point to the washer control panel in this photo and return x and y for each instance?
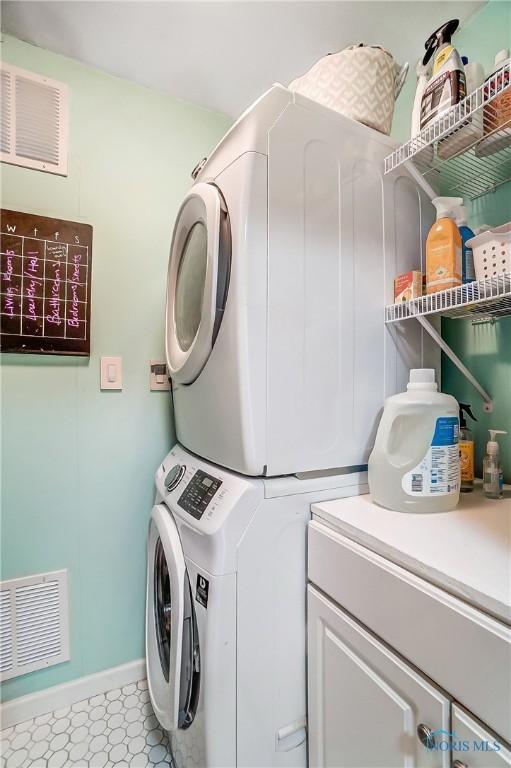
(198, 493)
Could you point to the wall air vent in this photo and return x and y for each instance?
(34, 623)
(6, 655)
(34, 121)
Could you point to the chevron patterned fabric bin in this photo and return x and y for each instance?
(361, 82)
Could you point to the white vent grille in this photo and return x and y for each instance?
(34, 630)
(34, 121)
(6, 125)
(6, 655)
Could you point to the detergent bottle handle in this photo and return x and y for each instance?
(404, 460)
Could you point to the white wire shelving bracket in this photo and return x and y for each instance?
(468, 147)
(483, 299)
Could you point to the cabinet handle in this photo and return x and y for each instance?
(426, 736)
(459, 764)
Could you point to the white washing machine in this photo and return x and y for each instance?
(283, 256)
(225, 615)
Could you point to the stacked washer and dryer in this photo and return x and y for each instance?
(282, 259)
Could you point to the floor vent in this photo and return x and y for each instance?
(34, 623)
(34, 123)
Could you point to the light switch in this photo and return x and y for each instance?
(158, 376)
(111, 373)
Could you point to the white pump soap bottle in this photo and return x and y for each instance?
(493, 476)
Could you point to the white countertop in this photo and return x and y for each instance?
(466, 552)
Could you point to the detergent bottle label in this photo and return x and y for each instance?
(438, 474)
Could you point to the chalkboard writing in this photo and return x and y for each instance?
(45, 284)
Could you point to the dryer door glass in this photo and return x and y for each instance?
(198, 281)
(191, 278)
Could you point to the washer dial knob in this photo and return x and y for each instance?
(174, 477)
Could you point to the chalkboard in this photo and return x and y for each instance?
(45, 284)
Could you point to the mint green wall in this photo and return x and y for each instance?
(485, 349)
(78, 463)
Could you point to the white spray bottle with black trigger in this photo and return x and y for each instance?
(447, 85)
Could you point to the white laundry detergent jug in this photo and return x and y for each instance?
(415, 466)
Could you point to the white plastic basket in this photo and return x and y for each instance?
(492, 252)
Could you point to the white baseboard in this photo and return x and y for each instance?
(34, 704)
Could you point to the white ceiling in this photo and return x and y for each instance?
(222, 54)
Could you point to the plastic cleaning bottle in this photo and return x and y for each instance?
(447, 85)
(443, 247)
(422, 71)
(468, 273)
(497, 114)
(466, 449)
(415, 465)
(474, 75)
(470, 131)
(493, 476)
(427, 153)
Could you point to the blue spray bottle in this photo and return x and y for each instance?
(467, 257)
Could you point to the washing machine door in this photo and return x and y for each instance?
(198, 281)
(165, 616)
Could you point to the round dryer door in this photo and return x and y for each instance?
(165, 615)
(198, 280)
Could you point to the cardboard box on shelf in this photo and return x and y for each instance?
(408, 286)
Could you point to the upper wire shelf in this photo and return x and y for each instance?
(469, 146)
(488, 298)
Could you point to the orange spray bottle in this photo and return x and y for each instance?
(444, 247)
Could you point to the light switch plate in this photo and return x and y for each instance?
(158, 376)
(111, 373)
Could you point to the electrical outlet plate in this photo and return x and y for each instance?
(158, 376)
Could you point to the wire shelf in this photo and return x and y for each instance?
(488, 298)
(468, 147)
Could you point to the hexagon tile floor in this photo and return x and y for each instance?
(113, 729)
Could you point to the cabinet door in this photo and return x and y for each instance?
(475, 747)
(365, 703)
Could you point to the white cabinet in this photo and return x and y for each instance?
(461, 649)
(474, 746)
(389, 657)
(365, 703)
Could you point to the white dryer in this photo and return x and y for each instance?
(225, 614)
(282, 259)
